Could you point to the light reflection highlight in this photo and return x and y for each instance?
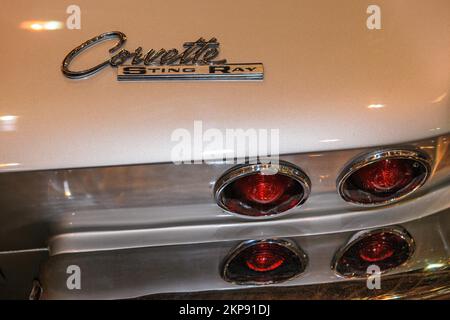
(376, 106)
(440, 98)
(433, 266)
(8, 122)
(8, 118)
(8, 165)
(42, 25)
(67, 191)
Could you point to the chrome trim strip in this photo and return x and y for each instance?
(372, 157)
(284, 168)
(397, 230)
(23, 251)
(234, 71)
(249, 243)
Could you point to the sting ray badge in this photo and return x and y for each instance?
(195, 62)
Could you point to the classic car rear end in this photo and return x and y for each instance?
(325, 167)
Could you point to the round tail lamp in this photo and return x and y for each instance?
(262, 190)
(384, 177)
(386, 248)
(264, 262)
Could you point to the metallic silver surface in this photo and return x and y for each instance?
(94, 209)
(122, 38)
(194, 63)
(196, 267)
(18, 270)
(303, 258)
(156, 228)
(397, 230)
(284, 168)
(232, 71)
(395, 153)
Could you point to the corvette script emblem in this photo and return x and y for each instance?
(195, 62)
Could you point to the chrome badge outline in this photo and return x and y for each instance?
(195, 62)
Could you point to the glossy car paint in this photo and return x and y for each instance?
(325, 72)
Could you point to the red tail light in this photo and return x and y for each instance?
(263, 189)
(250, 191)
(378, 249)
(386, 248)
(384, 177)
(264, 258)
(264, 262)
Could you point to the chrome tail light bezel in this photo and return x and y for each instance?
(370, 158)
(357, 237)
(240, 171)
(288, 244)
